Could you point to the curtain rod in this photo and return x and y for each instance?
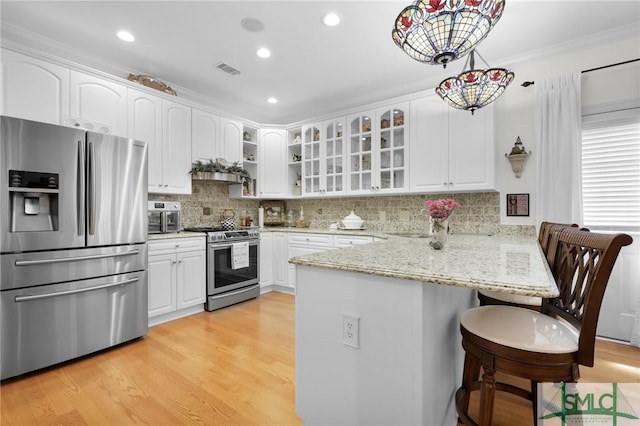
(529, 83)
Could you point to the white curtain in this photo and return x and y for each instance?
(558, 131)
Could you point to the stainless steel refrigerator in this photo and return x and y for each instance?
(73, 261)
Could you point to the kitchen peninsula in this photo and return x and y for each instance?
(406, 298)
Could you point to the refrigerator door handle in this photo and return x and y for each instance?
(80, 189)
(91, 195)
(73, 259)
(27, 298)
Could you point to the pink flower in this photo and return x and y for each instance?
(441, 209)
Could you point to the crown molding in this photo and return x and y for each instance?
(23, 41)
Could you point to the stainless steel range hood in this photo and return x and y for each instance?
(229, 178)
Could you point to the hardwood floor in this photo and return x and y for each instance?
(234, 366)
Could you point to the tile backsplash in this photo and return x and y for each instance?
(479, 212)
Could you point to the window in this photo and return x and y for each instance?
(611, 171)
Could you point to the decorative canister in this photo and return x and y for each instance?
(226, 220)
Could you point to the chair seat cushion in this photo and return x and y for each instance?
(520, 328)
(513, 298)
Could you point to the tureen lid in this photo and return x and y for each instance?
(353, 216)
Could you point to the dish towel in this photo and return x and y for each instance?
(240, 255)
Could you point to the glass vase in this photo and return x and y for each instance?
(440, 233)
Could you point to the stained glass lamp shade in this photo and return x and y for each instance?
(441, 31)
(474, 88)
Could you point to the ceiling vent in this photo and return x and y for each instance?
(228, 68)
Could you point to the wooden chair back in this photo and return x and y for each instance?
(582, 264)
(547, 229)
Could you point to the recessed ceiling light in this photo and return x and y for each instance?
(125, 36)
(272, 100)
(263, 52)
(331, 19)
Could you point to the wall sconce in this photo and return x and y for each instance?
(518, 157)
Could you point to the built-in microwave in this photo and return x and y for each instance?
(164, 217)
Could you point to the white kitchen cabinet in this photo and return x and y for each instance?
(377, 150)
(162, 284)
(205, 133)
(272, 147)
(177, 278)
(176, 144)
(323, 160)
(341, 241)
(33, 89)
(166, 126)
(285, 245)
(145, 124)
(451, 150)
(294, 162)
(281, 264)
(301, 244)
(311, 139)
(229, 145)
(471, 150)
(97, 104)
(251, 138)
(267, 259)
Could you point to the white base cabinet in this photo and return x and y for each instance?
(300, 244)
(281, 262)
(266, 260)
(177, 278)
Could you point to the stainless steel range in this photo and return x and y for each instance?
(233, 271)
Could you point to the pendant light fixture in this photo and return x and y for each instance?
(441, 31)
(474, 88)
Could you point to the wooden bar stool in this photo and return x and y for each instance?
(498, 298)
(546, 346)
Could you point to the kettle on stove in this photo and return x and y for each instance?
(226, 220)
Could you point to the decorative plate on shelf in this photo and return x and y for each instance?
(152, 82)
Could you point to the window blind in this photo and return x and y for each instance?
(611, 172)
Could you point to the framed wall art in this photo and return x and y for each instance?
(517, 204)
(273, 212)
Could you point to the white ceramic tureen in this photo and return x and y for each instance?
(352, 221)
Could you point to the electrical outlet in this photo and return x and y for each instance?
(382, 215)
(351, 330)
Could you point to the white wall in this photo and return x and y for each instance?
(514, 111)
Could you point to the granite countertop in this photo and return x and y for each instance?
(508, 264)
(182, 234)
(287, 229)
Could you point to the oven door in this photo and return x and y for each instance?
(155, 222)
(221, 277)
(171, 221)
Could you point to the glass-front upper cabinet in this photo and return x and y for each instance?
(333, 155)
(311, 158)
(378, 150)
(360, 152)
(391, 152)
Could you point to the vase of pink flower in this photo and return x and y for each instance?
(439, 212)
